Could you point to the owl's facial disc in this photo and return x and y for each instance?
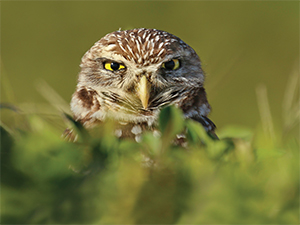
(130, 75)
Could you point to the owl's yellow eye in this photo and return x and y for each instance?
(113, 66)
(173, 64)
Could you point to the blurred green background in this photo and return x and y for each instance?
(241, 44)
(250, 52)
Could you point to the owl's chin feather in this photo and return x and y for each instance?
(150, 118)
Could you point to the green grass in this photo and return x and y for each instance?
(245, 177)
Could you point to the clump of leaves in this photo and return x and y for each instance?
(101, 179)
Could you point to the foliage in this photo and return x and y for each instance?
(244, 177)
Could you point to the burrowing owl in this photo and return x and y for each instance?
(130, 75)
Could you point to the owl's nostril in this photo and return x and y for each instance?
(143, 73)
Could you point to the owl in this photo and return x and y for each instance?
(129, 75)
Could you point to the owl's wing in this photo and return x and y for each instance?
(208, 125)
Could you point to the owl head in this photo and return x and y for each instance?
(129, 75)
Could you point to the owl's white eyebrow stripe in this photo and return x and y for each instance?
(111, 46)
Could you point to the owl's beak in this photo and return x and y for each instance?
(143, 91)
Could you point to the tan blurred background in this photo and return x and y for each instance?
(241, 45)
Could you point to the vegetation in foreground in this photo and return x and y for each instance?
(248, 178)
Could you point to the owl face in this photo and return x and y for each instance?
(129, 75)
